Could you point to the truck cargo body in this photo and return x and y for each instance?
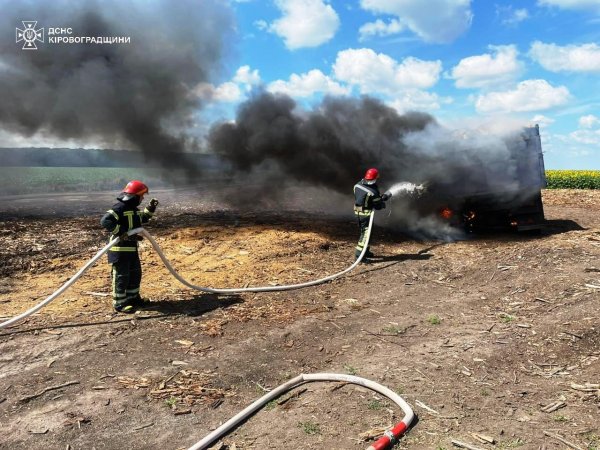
(507, 196)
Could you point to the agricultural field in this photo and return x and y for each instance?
(573, 179)
(26, 180)
(494, 340)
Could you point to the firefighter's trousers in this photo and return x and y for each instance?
(363, 224)
(126, 279)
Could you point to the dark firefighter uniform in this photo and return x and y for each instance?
(366, 199)
(126, 266)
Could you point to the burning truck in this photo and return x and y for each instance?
(483, 195)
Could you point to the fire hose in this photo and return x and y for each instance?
(168, 265)
(389, 438)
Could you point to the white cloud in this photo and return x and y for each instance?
(487, 69)
(570, 58)
(380, 28)
(572, 4)
(244, 75)
(231, 91)
(529, 95)
(379, 73)
(589, 121)
(588, 137)
(542, 120)
(307, 84)
(440, 21)
(305, 23)
(228, 92)
(417, 100)
(516, 16)
(261, 24)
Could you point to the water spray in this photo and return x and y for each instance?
(406, 187)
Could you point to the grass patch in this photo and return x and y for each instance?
(507, 318)
(375, 405)
(434, 319)
(171, 402)
(309, 427)
(392, 329)
(561, 418)
(350, 370)
(593, 441)
(271, 405)
(515, 443)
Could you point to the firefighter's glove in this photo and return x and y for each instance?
(386, 196)
(153, 204)
(134, 237)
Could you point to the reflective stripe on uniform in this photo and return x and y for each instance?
(147, 212)
(129, 215)
(123, 249)
(116, 230)
(132, 291)
(116, 295)
(361, 209)
(114, 214)
(363, 240)
(360, 186)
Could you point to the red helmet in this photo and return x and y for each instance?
(136, 187)
(371, 174)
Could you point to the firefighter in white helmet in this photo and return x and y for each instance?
(126, 267)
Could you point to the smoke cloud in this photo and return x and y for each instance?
(279, 144)
(136, 95)
(327, 147)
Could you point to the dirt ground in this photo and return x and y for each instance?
(497, 335)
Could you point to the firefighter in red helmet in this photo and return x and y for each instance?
(126, 267)
(366, 199)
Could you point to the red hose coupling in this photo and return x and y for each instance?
(389, 438)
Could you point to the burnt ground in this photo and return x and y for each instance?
(490, 334)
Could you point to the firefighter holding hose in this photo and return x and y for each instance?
(366, 199)
(126, 267)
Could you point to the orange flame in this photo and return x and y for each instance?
(446, 213)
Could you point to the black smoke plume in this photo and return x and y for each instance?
(137, 95)
(327, 147)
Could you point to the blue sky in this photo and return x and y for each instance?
(467, 62)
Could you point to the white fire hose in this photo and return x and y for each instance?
(168, 265)
(390, 437)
